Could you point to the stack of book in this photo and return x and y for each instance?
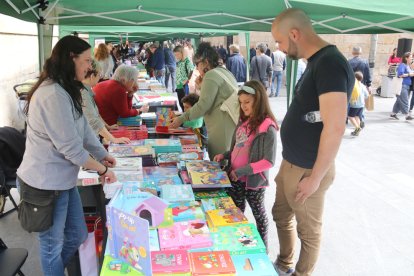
(217, 203)
(147, 153)
(149, 119)
(164, 145)
(207, 174)
(130, 121)
(133, 133)
(128, 164)
(187, 148)
(172, 158)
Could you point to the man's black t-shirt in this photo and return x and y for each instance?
(327, 71)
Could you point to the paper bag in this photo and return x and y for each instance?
(369, 102)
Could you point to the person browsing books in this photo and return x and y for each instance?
(90, 110)
(252, 153)
(114, 97)
(59, 141)
(217, 85)
(197, 124)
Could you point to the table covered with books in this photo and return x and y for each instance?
(169, 214)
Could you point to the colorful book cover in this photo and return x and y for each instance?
(210, 194)
(185, 235)
(162, 176)
(128, 164)
(168, 158)
(217, 203)
(253, 264)
(186, 212)
(129, 176)
(117, 267)
(209, 179)
(177, 193)
(238, 239)
(184, 177)
(130, 150)
(225, 217)
(164, 115)
(170, 262)
(202, 166)
(131, 240)
(211, 263)
(153, 240)
(134, 187)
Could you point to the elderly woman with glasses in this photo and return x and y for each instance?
(90, 110)
(217, 85)
(114, 97)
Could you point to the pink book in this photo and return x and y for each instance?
(185, 235)
(170, 261)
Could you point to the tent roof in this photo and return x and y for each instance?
(114, 33)
(329, 16)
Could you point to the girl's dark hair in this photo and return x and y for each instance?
(206, 52)
(261, 106)
(405, 57)
(191, 99)
(60, 68)
(393, 54)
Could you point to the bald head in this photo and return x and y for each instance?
(292, 19)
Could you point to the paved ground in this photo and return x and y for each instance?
(369, 213)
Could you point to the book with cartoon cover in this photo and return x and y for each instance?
(185, 235)
(124, 176)
(177, 193)
(128, 164)
(210, 194)
(238, 239)
(211, 263)
(217, 179)
(131, 240)
(217, 203)
(130, 150)
(187, 211)
(225, 217)
(253, 264)
(170, 262)
(161, 176)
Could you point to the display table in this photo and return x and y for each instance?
(390, 86)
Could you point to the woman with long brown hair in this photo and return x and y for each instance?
(103, 57)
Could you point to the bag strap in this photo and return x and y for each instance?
(258, 69)
(226, 79)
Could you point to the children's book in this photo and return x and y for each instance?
(184, 212)
(129, 176)
(168, 158)
(134, 187)
(253, 264)
(211, 263)
(130, 150)
(225, 217)
(217, 203)
(164, 115)
(202, 166)
(177, 193)
(117, 267)
(128, 164)
(131, 240)
(238, 239)
(162, 176)
(185, 235)
(208, 179)
(210, 194)
(170, 262)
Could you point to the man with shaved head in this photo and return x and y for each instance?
(311, 134)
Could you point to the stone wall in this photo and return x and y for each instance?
(385, 44)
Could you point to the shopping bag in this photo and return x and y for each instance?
(87, 256)
(369, 102)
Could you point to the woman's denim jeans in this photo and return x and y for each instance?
(60, 242)
(401, 104)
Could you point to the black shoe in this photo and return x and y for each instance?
(362, 124)
(409, 118)
(356, 132)
(271, 95)
(394, 116)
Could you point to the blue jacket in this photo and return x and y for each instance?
(169, 57)
(359, 64)
(158, 60)
(237, 65)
